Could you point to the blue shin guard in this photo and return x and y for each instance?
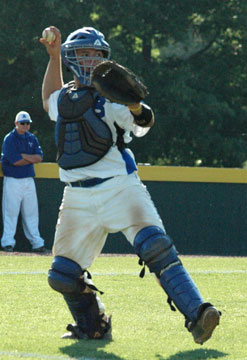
(158, 252)
(65, 277)
(182, 290)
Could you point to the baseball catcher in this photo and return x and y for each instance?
(96, 115)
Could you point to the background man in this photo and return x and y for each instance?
(20, 151)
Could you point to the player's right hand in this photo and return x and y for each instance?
(53, 48)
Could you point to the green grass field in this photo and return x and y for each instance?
(33, 317)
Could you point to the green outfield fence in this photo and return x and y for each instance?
(204, 209)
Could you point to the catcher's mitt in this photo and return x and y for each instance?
(118, 84)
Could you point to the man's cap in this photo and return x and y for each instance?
(23, 116)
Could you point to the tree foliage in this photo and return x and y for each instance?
(191, 55)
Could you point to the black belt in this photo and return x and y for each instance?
(89, 182)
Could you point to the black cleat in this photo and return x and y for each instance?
(204, 327)
(74, 333)
(78, 333)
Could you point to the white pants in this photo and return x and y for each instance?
(87, 215)
(20, 195)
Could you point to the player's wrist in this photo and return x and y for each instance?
(145, 117)
(135, 108)
(55, 56)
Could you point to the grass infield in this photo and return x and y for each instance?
(33, 317)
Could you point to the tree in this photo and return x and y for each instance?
(191, 55)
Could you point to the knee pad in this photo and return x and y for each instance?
(155, 248)
(64, 275)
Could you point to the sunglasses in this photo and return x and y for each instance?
(24, 123)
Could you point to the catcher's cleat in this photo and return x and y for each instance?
(77, 333)
(74, 333)
(209, 318)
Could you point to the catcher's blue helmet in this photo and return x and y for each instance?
(82, 66)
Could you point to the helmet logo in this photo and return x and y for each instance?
(97, 42)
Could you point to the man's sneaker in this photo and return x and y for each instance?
(40, 250)
(205, 325)
(8, 248)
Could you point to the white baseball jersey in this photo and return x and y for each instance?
(112, 164)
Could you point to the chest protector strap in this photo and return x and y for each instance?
(82, 137)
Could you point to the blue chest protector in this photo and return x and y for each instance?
(82, 137)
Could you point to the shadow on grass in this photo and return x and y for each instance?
(199, 354)
(89, 349)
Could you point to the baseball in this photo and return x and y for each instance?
(48, 35)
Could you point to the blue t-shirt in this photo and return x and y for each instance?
(14, 145)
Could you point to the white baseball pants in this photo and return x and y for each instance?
(87, 215)
(19, 195)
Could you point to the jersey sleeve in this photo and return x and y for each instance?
(10, 151)
(52, 102)
(123, 117)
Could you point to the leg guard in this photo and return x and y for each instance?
(158, 252)
(67, 277)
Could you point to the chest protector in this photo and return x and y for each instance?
(82, 137)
